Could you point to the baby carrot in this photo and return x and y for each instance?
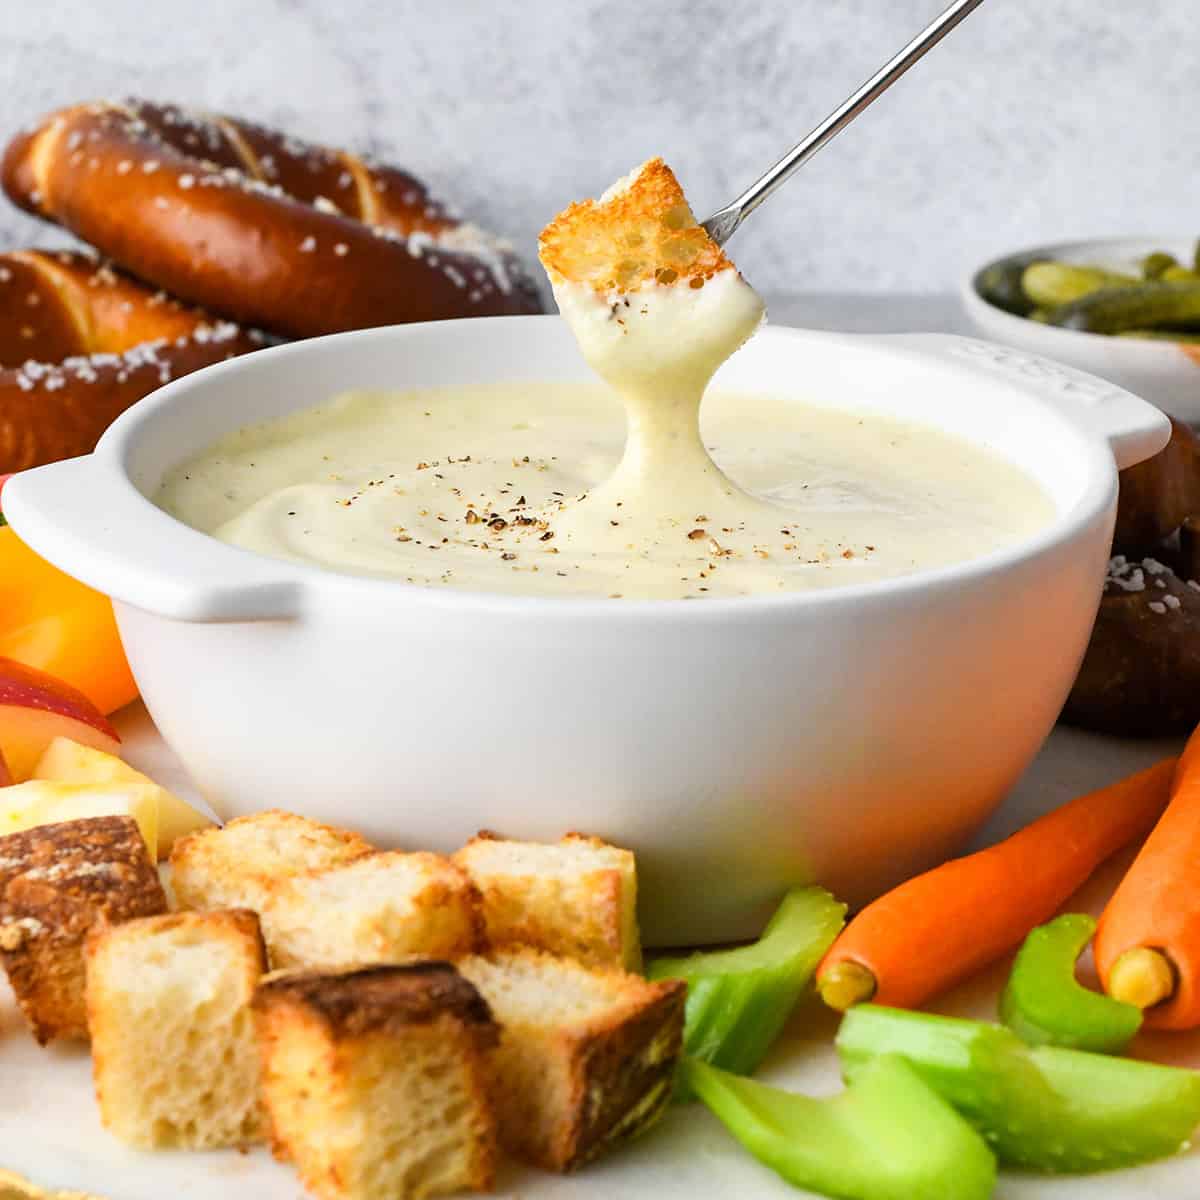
(940, 927)
(1147, 945)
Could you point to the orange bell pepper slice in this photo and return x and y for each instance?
(54, 623)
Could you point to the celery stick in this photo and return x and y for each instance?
(887, 1137)
(1045, 1005)
(739, 1000)
(1043, 1107)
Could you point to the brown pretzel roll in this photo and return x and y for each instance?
(80, 343)
(54, 304)
(1141, 674)
(296, 239)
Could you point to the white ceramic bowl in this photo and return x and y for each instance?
(850, 736)
(1165, 373)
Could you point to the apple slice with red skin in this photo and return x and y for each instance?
(35, 708)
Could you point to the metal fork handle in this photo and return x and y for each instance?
(721, 224)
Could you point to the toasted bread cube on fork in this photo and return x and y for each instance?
(586, 1057)
(641, 230)
(376, 1080)
(382, 908)
(56, 883)
(576, 897)
(233, 866)
(174, 1048)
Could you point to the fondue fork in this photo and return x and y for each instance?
(721, 225)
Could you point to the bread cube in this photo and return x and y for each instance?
(382, 908)
(56, 883)
(174, 1048)
(576, 898)
(232, 867)
(586, 1057)
(376, 1080)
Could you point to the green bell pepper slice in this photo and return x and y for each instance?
(739, 1000)
(887, 1137)
(1045, 1005)
(1044, 1108)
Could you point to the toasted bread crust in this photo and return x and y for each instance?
(622, 1072)
(389, 997)
(210, 869)
(240, 923)
(306, 927)
(329, 1045)
(568, 1090)
(577, 910)
(641, 231)
(56, 883)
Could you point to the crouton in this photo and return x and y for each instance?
(576, 897)
(376, 1080)
(382, 908)
(56, 883)
(641, 230)
(231, 867)
(586, 1056)
(174, 1049)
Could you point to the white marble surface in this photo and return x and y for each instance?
(49, 1129)
(1034, 121)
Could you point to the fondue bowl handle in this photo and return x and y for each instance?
(1134, 429)
(86, 517)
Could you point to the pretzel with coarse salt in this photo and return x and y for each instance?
(293, 238)
(80, 343)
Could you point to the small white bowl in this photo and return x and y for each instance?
(1165, 373)
(740, 746)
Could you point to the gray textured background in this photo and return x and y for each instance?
(1038, 119)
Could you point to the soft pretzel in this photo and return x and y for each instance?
(255, 225)
(80, 343)
(1141, 674)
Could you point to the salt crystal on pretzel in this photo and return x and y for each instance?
(80, 343)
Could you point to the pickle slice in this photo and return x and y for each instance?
(1144, 306)
(1000, 285)
(1050, 284)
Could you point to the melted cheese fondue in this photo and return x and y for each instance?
(628, 492)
